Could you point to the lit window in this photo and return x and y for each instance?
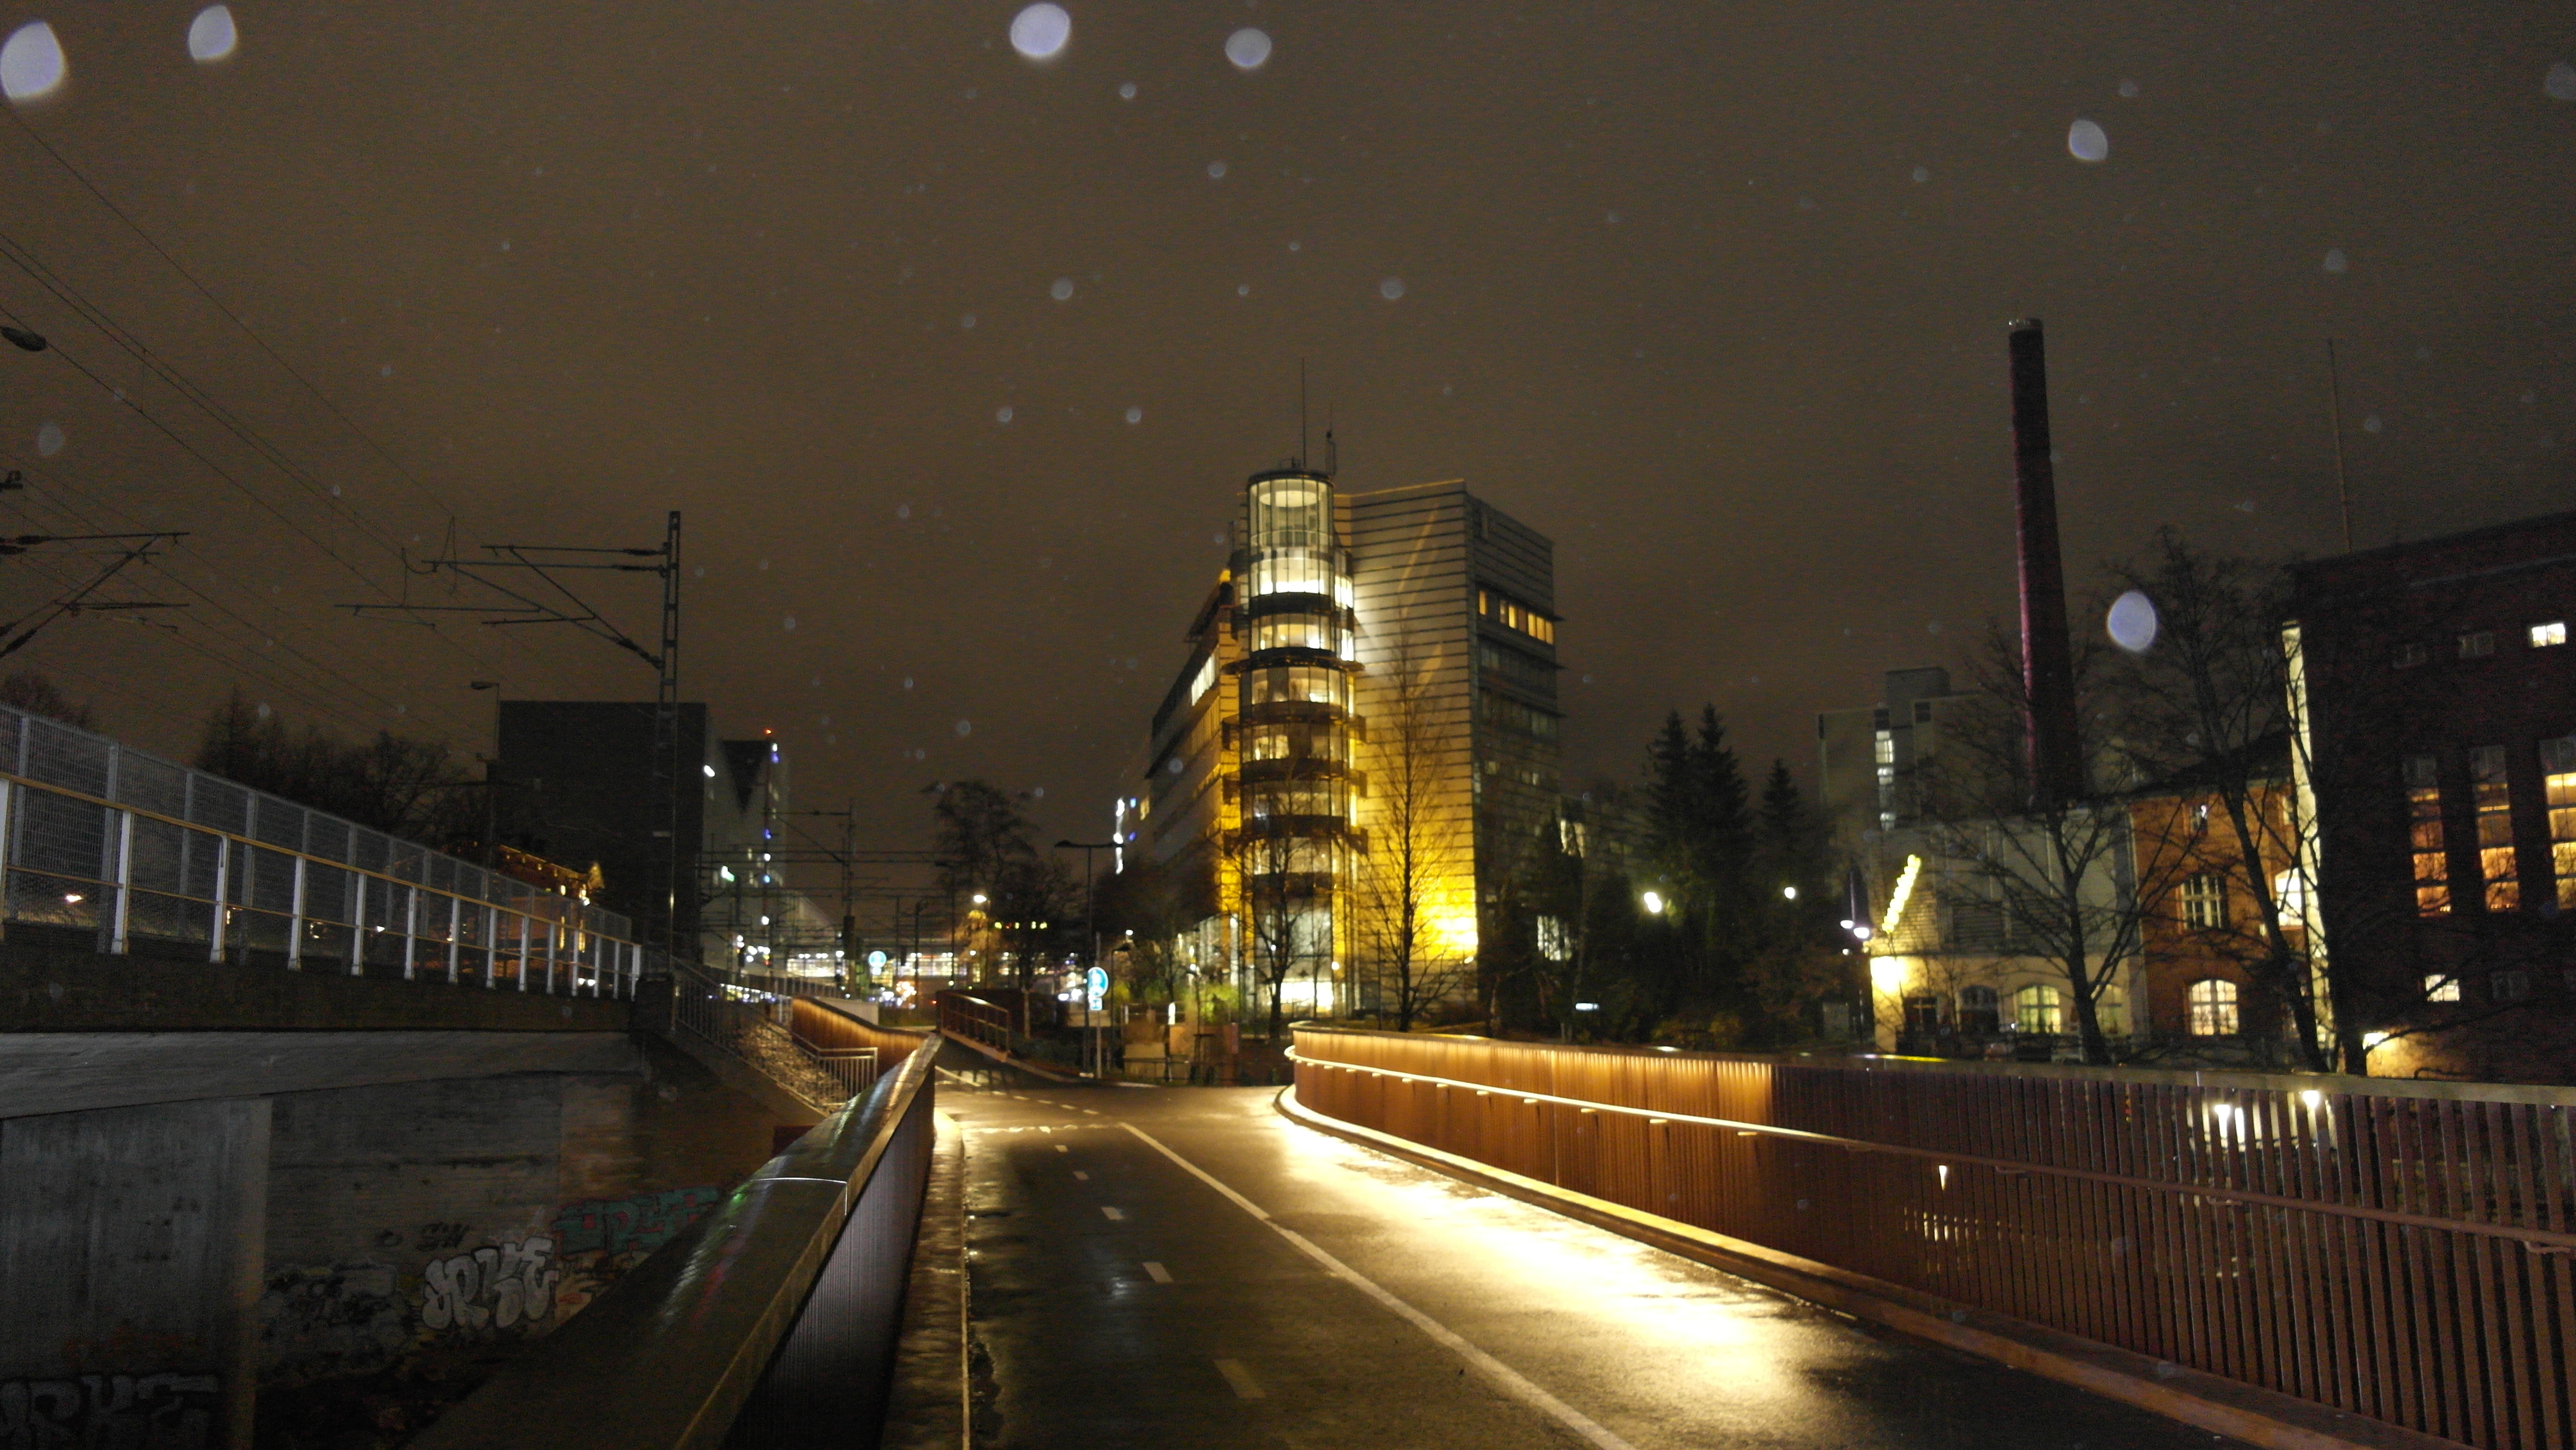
(2035, 1009)
(1570, 837)
(2545, 635)
(2204, 901)
(1886, 747)
(1204, 680)
(2495, 827)
(2408, 656)
(1554, 942)
(2441, 987)
(2558, 774)
(2477, 645)
(2212, 1008)
(2424, 836)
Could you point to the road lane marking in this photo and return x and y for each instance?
(1157, 1272)
(1245, 1386)
(1061, 1148)
(1114, 1215)
(1081, 1177)
(1502, 1376)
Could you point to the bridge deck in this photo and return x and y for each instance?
(1123, 1299)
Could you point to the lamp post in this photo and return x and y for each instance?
(1090, 910)
(491, 778)
(24, 341)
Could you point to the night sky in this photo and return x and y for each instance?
(955, 359)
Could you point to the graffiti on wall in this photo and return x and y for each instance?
(346, 1318)
(499, 1286)
(643, 1223)
(176, 1411)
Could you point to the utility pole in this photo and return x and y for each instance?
(549, 600)
(2334, 400)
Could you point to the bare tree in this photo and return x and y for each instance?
(2206, 709)
(2057, 872)
(35, 693)
(1418, 858)
(1279, 869)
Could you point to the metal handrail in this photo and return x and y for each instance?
(714, 1322)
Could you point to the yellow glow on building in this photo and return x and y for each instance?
(1904, 895)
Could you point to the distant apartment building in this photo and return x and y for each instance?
(1361, 742)
(1954, 968)
(2438, 746)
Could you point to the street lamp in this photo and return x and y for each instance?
(26, 341)
(1090, 918)
(1654, 903)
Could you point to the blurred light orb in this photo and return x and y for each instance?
(967, 727)
(211, 36)
(2133, 622)
(49, 440)
(31, 62)
(1247, 48)
(1002, 414)
(1127, 92)
(2561, 82)
(1040, 31)
(2087, 141)
(2335, 261)
(967, 321)
(1062, 291)
(1216, 171)
(1135, 415)
(1392, 289)
(2128, 90)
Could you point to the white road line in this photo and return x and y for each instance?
(1245, 1386)
(1157, 1272)
(1114, 1215)
(1061, 1148)
(1081, 1177)
(1502, 1376)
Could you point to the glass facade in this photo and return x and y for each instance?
(1296, 713)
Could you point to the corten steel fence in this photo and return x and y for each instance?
(962, 1015)
(771, 1322)
(2398, 1250)
(118, 851)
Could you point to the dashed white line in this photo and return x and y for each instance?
(1245, 1386)
(1061, 1148)
(1081, 1177)
(1114, 1215)
(1157, 1272)
(1502, 1376)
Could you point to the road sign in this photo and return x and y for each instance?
(876, 961)
(1095, 985)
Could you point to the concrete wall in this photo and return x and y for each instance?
(358, 1245)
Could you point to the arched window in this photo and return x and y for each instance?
(2212, 1008)
(2035, 1009)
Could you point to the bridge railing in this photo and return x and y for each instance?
(2404, 1251)
(772, 1321)
(122, 852)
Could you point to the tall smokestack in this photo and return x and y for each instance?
(2048, 661)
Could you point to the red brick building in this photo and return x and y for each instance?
(2440, 751)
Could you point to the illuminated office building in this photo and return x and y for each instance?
(1361, 742)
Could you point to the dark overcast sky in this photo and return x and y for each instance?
(1711, 294)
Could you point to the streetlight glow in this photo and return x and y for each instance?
(1654, 903)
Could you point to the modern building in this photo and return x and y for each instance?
(1360, 745)
(584, 774)
(2438, 746)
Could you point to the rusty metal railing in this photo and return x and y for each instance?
(771, 1322)
(2398, 1250)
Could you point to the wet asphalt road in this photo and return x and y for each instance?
(1121, 1300)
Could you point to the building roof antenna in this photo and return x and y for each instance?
(1301, 413)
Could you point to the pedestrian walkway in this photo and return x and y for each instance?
(1186, 1267)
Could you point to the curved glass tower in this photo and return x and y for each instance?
(1295, 724)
